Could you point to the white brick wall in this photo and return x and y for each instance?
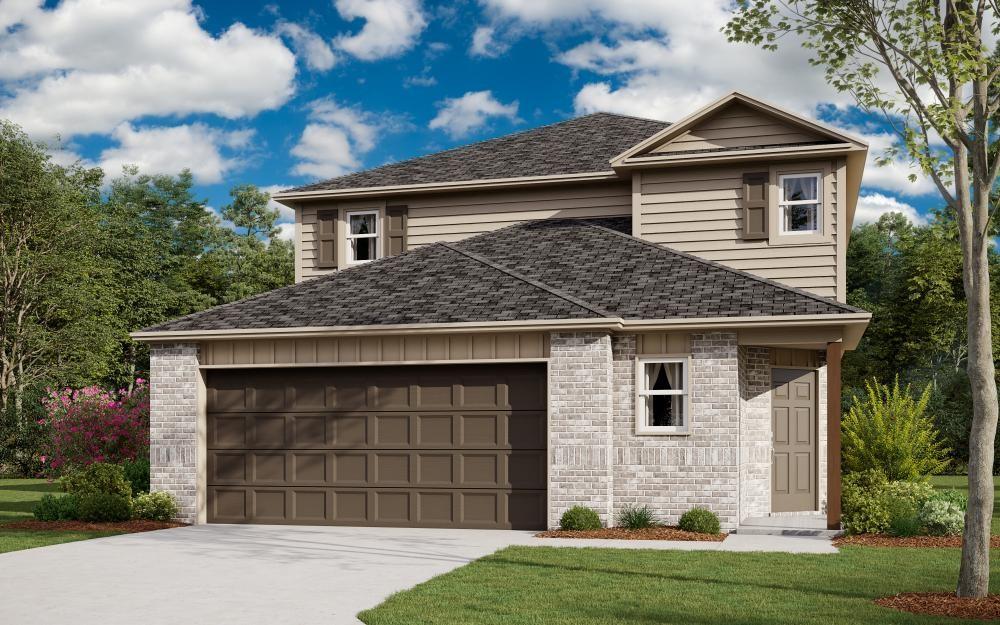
(173, 424)
(579, 423)
(755, 431)
(675, 473)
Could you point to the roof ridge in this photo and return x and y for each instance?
(712, 263)
(535, 283)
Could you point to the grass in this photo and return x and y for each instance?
(566, 586)
(961, 482)
(17, 498)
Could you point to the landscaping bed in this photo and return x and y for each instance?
(885, 540)
(620, 533)
(944, 604)
(123, 527)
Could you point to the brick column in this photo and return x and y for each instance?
(173, 424)
(579, 423)
(755, 432)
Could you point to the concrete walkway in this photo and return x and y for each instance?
(245, 574)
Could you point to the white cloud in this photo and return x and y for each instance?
(86, 66)
(334, 140)
(391, 27)
(484, 43)
(422, 80)
(284, 212)
(286, 232)
(460, 116)
(895, 175)
(167, 150)
(314, 49)
(668, 57)
(874, 205)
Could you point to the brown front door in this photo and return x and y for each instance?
(421, 446)
(793, 426)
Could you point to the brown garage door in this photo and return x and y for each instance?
(428, 446)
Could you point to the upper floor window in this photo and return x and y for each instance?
(362, 236)
(799, 203)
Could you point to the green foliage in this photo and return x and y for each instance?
(137, 474)
(940, 517)
(700, 520)
(580, 518)
(635, 517)
(952, 496)
(99, 478)
(158, 506)
(98, 507)
(874, 505)
(57, 508)
(890, 430)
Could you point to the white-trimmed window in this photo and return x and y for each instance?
(362, 236)
(662, 389)
(800, 203)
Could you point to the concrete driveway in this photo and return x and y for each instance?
(219, 574)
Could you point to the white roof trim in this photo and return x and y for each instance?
(428, 187)
(686, 123)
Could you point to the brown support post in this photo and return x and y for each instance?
(834, 352)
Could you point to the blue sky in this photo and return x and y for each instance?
(284, 94)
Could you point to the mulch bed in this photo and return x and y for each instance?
(944, 604)
(126, 527)
(884, 540)
(652, 533)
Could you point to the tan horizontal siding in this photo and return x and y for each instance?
(698, 211)
(737, 126)
(377, 349)
(455, 216)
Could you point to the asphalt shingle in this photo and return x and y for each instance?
(538, 270)
(582, 145)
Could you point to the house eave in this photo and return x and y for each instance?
(678, 160)
(438, 187)
(857, 321)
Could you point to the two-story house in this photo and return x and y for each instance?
(603, 311)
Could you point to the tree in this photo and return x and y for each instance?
(923, 65)
(258, 259)
(55, 287)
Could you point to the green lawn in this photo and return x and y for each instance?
(17, 498)
(566, 586)
(961, 482)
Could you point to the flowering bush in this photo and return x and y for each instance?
(93, 425)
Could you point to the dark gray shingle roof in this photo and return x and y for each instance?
(549, 269)
(581, 145)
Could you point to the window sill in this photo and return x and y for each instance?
(799, 239)
(663, 431)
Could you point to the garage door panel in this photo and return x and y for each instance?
(435, 446)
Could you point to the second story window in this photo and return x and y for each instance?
(362, 236)
(799, 203)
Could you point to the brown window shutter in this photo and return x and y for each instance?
(755, 189)
(326, 238)
(395, 236)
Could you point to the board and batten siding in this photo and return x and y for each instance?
(415, 348)
(454, 216)
(698, 210)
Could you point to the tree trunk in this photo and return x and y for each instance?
(974, 575)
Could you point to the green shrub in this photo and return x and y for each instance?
(940, 517)
(890, 430)
(956, 497)
(864, 509)
(137, 474)
(903, 519)
(580, 518)
(99, 477)
(158, 506)
(701, 520)
(104, 507)
(56, 508)
(636, 517)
